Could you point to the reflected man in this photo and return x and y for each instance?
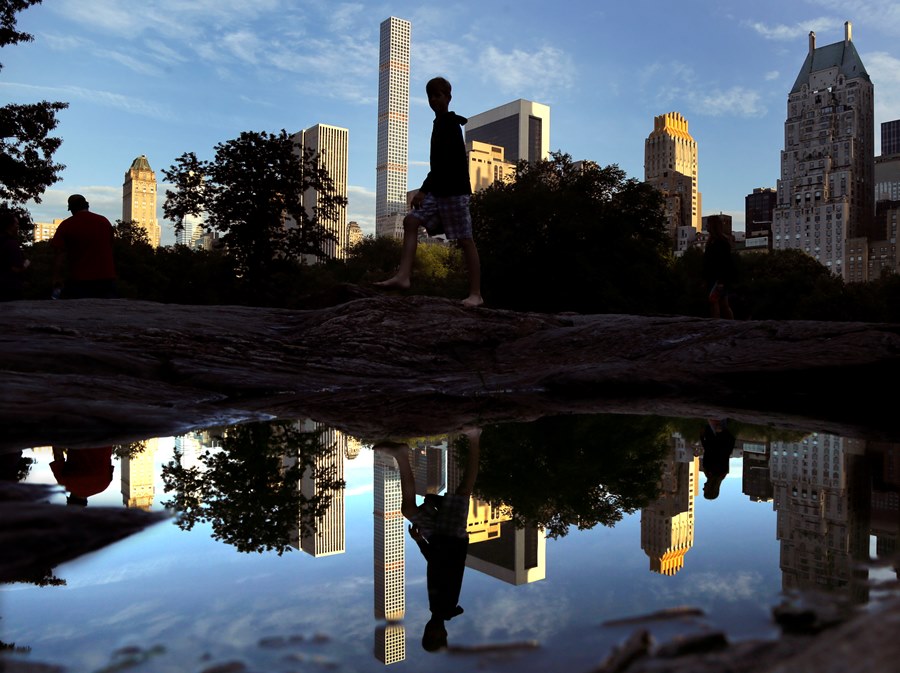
(718, 443)
(82, 472)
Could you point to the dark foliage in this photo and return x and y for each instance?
(26, 147)
(572, 237)
(558, 472)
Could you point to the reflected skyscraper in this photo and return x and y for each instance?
(667, 525)
(329, 531)
(138, 476)
(822, 502)
(390, 643)
(393, 127)
(390, 542)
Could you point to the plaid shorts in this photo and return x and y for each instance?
(443, 515)
(448, 215)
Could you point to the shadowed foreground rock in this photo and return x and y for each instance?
(78, 373)
(99, 370)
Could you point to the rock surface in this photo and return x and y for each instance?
(84, 371)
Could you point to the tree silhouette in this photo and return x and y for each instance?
(252, 192)
(565, 471)
(26, 148)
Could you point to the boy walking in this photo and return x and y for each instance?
(442, 203)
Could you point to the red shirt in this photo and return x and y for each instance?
(85, 472)
(87, 238)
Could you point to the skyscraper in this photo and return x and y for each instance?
(890, 137)
(521, 128)
(759, 208)
(393, 127)
(139, 198)
(331, 144)
(670, 165)
(826, 194)
(389, 541)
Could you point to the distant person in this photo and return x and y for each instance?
(718, 270)
(82, 472)
(84, 244)
(442, 203)
(438, 526)
(718, 443)
(12, 259)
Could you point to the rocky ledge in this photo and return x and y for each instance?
(78, 372)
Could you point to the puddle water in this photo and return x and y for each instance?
(286, 549)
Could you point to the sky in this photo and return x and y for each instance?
(165, 77)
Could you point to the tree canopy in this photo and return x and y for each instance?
(252, 192)
(571, 236)
(26, 146)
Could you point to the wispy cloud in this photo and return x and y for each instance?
(772, 75)
(880, 15)
(106, 98)
(677, 85)
(782, 32)
(535, 75)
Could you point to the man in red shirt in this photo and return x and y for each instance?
(84, 242)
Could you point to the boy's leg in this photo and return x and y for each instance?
(401, 279)
(473, 269)
(400, 452)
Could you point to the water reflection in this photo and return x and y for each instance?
(264, 486)
(281, 486)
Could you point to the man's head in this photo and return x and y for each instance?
(439, 94)
(77, 202)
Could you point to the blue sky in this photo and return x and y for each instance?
(164, 77)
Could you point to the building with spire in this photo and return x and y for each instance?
(826, 194)
(670, 165)
(393, 127)
(139, 198)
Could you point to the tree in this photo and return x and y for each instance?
(26, 147)
(252, 192)
(566, 236)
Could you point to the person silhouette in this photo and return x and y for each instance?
(438, 527)
(718, 443)
(82, 472)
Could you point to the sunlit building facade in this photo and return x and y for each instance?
(521, 128)
(331, 145)
(139, 198)
(671, 166)
(826, 194)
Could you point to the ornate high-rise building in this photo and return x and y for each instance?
(331, 145)
(670, 165)
(138, 475)
(393, 127)
(521, 128)
(139, 198)
(826, 194)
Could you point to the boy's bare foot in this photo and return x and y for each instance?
(472, 301)
(394, 283)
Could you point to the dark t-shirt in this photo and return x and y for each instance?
(446, 557)
(449, 174)
(717, 263)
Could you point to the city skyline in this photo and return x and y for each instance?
(136, 86)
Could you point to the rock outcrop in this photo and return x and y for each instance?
(83, 371)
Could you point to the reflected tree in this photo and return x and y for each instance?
(248, 489)
(581, 471)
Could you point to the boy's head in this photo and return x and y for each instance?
(438, 90)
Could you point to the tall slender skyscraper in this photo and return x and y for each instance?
(331, 144)
(670, 165)
(826, 194)
(389, 542)
(139, 198)
(521, 128)
(393, 127)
